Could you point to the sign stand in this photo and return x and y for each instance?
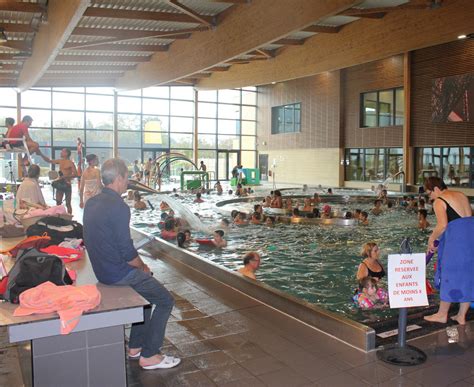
(402, 354)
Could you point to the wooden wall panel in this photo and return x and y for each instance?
(319, 96)
(444, 60)
(383, 74)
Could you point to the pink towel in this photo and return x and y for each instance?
(68, 301)
(56, 210)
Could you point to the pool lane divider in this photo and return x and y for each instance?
(337, 325)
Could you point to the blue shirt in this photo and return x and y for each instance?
(107, 236)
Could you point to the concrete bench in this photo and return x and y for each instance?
(94, 353)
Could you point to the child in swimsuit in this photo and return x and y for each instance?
(370, 296)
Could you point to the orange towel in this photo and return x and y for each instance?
(68, 301)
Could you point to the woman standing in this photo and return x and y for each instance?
(91, 183)
(455, 230)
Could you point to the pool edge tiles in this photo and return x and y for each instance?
(342, 328)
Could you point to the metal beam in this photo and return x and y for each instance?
(63, 17)
(88, 67)
(142, 15)
(239, 32)
(290, 42)
(124, 47)
(190, 12)
(323, 29)
(101, 58)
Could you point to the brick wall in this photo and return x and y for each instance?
(379, 75)
(444, 60)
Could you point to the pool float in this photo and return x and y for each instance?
(205, 242)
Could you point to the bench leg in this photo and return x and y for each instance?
(90, 358)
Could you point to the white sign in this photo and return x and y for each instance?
(407, 280)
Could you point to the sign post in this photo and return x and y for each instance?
(407, 288)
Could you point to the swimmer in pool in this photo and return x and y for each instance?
(240, 219)
(219, 240)
(251, 262)
(371, 296)
(377, 210)
(364, 218)
(296, 213)
(326, 212)
(198, 198)
(357, 213)
(308, 207)
(218, 187)
(329, 191)
(181, 239)
(370, 266)
(316, 199)
(289, 205)
(421, 204)
(164, 206)
(270, 221)
(316, 213)
(268, 201)
(256, 218)
(423, 223)
(277, 201)
(348, 215)
(224, 224)
(130, 195)
(139, 203)
(187, 234)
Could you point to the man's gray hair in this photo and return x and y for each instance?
(112, 169)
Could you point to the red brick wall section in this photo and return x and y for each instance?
(444, 60)
(379, 75)
(319, 96)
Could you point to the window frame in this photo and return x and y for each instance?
(362, 115)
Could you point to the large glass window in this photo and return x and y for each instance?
(286, 118)
(374, 164)
(382, 108)
(453, 164)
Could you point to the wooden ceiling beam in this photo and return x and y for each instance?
(142, 15)
(102, 58)
(219, 68)
(124, 47)
(359, 42)
(18, 6)
(239, 32)
(290, 42)
(17, 27)
(63, 16)
(190, 12)
(323, 29)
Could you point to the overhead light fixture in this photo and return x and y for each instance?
(462, 36)
(3, 37)
(466, 36)
(273, 83)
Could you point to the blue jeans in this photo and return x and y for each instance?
(149, 334)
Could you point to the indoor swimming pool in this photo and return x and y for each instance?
(315, 263)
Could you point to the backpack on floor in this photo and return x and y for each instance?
(31, 269)
(57, 228)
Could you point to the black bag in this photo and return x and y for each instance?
(32, 268)
(57, 228)
(61, 185)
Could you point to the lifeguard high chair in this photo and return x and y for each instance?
(7, 149)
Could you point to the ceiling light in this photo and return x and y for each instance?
(3, 37)
(273, 83)
(462, 36)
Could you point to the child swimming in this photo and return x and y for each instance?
(423, 224)
(139, 203)
(364, 218)
(219, 240)
(370, 296)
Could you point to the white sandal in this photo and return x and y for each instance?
(136, 356)
(167, 362)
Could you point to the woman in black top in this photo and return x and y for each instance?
(370, 266)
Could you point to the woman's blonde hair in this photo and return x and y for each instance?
(367, 249)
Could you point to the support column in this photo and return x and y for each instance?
(115, 133)
(408, 166)
(18, 120)
(195, 137)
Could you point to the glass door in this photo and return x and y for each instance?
(226, 161)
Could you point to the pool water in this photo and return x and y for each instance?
(316, 263)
